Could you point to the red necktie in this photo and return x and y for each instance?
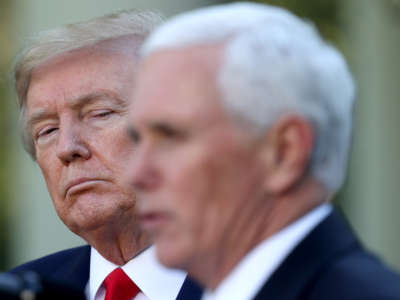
(119, 286)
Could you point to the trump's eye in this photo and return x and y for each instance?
(101, 113)
(46, 131)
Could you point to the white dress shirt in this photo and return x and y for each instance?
(154, 280)
(248, 277)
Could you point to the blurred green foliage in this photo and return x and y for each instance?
(327, 15)
(6, 50)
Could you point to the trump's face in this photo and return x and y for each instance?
(194, 167)
(76, 112)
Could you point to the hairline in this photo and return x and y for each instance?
(53, 43)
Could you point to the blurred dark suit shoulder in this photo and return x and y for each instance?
(70, 266)
(331, 264)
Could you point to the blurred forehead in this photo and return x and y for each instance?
(178, 79)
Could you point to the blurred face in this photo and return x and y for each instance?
(76, 110)
(194, 168)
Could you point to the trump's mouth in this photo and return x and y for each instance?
(81, 184)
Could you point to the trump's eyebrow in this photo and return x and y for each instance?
(86, 99)
(39, 115)
(95, 97)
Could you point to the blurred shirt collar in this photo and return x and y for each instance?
(253, 271)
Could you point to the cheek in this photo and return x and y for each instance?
(195, 199)
(51, 171)
(115, 148)
(120, 142)
(196, 190)
(210, 190)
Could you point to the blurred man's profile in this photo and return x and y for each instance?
(242, 122)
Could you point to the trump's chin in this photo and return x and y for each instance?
(81, 224)
(85, 222)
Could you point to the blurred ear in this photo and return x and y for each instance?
(286, 153)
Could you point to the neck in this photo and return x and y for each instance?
(253, 225)
(116, 245)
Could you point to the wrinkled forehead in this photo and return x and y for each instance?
(69, 76)
(83, 74)
(127, 46)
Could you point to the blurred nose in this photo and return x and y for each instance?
(143, 173)
(71, 145)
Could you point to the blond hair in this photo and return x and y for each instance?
(51, 43)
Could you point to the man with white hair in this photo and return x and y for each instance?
(242, 125)
(74, 85)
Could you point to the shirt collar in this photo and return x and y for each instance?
(247, 278)
(153, 279)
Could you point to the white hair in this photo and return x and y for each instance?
(51, 43)
(274, 64)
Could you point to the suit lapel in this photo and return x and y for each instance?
(75, 271)
(190, 290)
(293, 279)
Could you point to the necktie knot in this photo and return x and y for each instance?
(119, 286)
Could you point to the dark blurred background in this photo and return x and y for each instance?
(366, 31)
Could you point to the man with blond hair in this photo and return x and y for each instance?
(74, 85)
(242, 124)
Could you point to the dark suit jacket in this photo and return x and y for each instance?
(71, 267)
(330, 264)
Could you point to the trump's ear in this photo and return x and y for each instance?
(286, 153)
